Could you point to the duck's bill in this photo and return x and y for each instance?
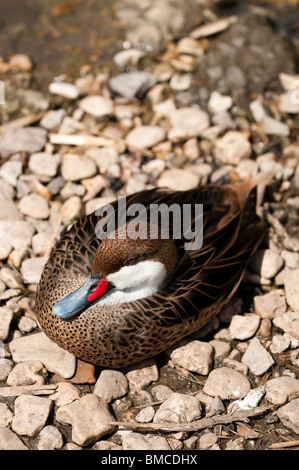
(81, 298)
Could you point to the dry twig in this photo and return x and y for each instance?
(242, 415)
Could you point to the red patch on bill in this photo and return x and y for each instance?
(99, 290)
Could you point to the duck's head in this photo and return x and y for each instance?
(123, 270)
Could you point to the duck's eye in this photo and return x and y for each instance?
(130, 261)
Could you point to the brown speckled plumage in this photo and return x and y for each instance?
(203, 280)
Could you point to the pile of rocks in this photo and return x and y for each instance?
(118, 135)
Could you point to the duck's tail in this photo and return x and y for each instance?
(242, 190)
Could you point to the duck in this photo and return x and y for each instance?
(122, 298)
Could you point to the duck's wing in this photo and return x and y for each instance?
(207, 277)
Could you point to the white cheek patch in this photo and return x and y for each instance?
(145, 273)
(135, 282)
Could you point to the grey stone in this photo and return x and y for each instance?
(289, 415)
(50, 438)
(35, 206)
(145, 136)
(32, 269)
(257, 358)
(75, 167)
(282, 389)
(137, 441)
(17, 232)
(26, 373)
(52, 120)
(9, 211)
(226, 383)
(142, 374)
(44, 164)
(6, 416)
(196, 356)
(267, 263)
(97, 105)
(31, 414)
(6, 316)
(90, 419)
(232, 147)
(289, 323)
(187, 122)
(132, 85)
(27, 139)
(11, 170)
(178, 408)
(39, 347)
(244, 326)
(271, 304)
(292, 289)
(10, 441)
(111, 384)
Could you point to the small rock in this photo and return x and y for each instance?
(11, 170)
(272, 126)
(161, 392)
(40, 242)
(72, 209)
(289, 415)
(65, 394)
(22, 62)
(31, 414)
(218, 102)
(289, 323)
(132, 85)
(282, 389)
(244, 327)
(90, 419)
(180, 81)
(75, 167)
(67, 90)
(52, 120)
(137, 441)
(232, 147)
(6, 366)
(9, 211)
(32, 269)
(5, 249)
(145, 136)
(22, 139)
(35, 206)
(11, 278)
(26, 324)
(291, 259)
(226, 384)
(110, 385)
(267, 263)
(292, 289)
(6, 416)
(221, 348)
(10, 441)
(178, 408)
(207, 440)
(96, 105)
(39, 347)
(178, 180)
(279, 344)
(18, 232)
(44, 164)
(50, 438)
(26, 373)
(145, 415)
(257, 358)
(128, 57)
(270, 305)
(214, 27)
(196, 356)
(289, 102)
(6, 316)
(187, 122)
(103, 157)
(142, 374)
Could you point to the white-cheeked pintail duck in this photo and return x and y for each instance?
(115, 301)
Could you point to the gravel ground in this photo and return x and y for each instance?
(195, 113)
